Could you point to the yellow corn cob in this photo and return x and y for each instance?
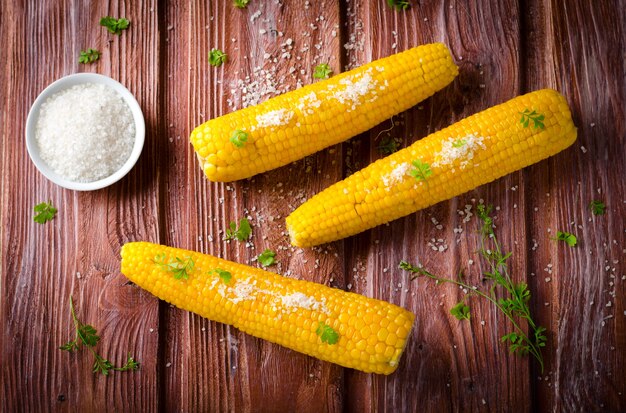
(472, 152)
(300, 315)
(291, 126)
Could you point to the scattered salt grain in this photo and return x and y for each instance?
(85, 133)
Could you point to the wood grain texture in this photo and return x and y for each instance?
(503, 48)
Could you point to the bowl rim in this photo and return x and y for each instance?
(65, 83)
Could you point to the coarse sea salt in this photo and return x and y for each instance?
(85, 133)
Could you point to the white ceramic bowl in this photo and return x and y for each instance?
(67, 82)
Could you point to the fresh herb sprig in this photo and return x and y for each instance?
(388, 145)
(570, 239)
(514, 304)
(327, 334)
(536, 117)
(88, 56)
(597, 207)
(180, 268)
(239, 138)
(44, 212)
(422, 170)
(399, 4)
(224, 275)
(267, 258)
(86, 335)
(322, 71)
(242, 233)
(217, 57)
(241, 4)
(114, 25)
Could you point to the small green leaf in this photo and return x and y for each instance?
(102, 365)
(179, 267)
(460, 311)
(399, 4)
(570, 239)
(69, 346)
(597, 207)
(87, 334)
(217, 57)
(239, 138)
(44, 212)
(327, 334)
(241, 4)
(266, 258)
(422, 170)
(242, 233)
(88, 56)
(537, 119)
(114, 25)
(131, 364)
(224, 275)
(322, 71)
(388, 145)
(459, 143)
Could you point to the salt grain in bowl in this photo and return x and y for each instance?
(85, 133)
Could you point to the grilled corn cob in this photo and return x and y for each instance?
(291, 126)
(330, 324)
(454, 160)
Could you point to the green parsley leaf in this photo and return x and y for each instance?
(399, 4)
(459, 143)
(217, 57)
(266, 258)
(327, 334)
(460, 311)
(322, 71)
(179, 267)
(88, 56)
(114, 25)
(88, 337)
(597, 207)
(241, 4)
(422, 170)
(537, 119)
(224, 275)
(44, 212)
(570, 239)
(239, 138)
(388, 145)
(242, 233)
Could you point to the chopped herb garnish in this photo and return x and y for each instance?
(224, 275)
(570, 239)
(114, 25)
(537, 119)
(461, 311)
(239, 138)
(180, 268)
(327, 334)
(388, 145)
(241, 4)
(597, 207)
(267, 258)
(422, 170)
(512, 301)
(322, 71)
(459, 143)
(88, 56)
(399, 4)
(86, 335)
(217, 57)
(242, 233)
(44, 212)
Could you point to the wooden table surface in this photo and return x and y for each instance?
(503, 48)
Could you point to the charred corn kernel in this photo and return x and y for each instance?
(472, 152)
(291, 126)
(301, 315)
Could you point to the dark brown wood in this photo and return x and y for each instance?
(503, 48)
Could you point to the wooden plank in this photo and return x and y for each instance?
(215, 367)
(448, 365)
(78, 252)
(578, 48)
